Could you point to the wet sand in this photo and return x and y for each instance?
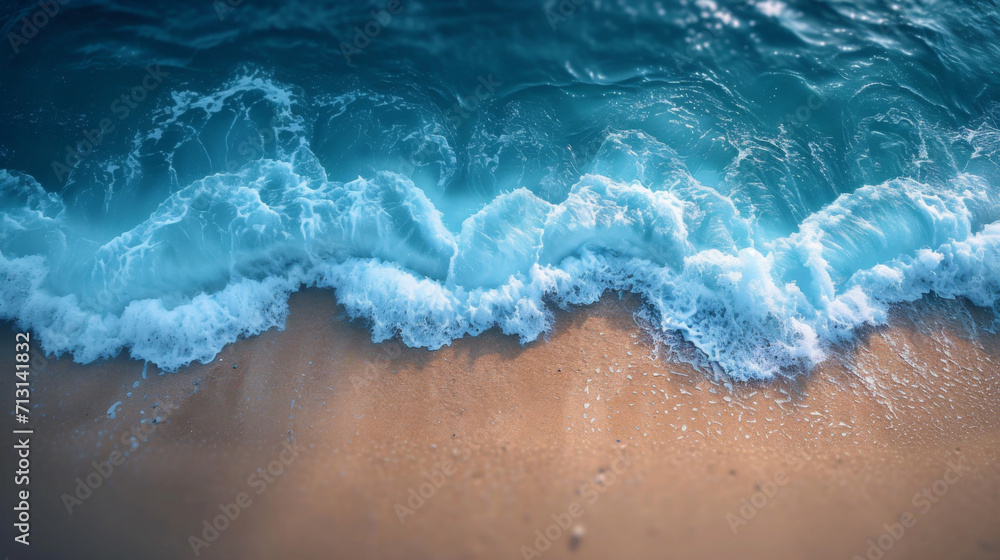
(595, 436)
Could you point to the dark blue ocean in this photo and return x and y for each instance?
(767, 176)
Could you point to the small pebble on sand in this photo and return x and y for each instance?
(576, 536)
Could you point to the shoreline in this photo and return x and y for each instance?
(508, 436)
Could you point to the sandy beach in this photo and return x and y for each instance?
(313, 442)
(752, 249)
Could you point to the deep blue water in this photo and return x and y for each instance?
(769, 176)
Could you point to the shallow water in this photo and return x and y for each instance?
(768, 176)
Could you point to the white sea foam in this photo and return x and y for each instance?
(214, 249)
(218, 260)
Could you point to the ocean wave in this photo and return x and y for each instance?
(763, 223)
(219, 258)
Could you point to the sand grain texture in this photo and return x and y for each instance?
(525, 432)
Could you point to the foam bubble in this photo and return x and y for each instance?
(214, 251)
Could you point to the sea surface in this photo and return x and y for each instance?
(769, 177)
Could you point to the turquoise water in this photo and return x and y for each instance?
(768, 176)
